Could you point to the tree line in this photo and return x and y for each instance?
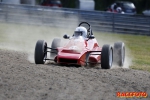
(103, 4)
(140, 4)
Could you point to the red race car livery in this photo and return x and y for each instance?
(82, 49)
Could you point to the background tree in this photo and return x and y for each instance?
(68, 3)
(103, 4)
(140, 4)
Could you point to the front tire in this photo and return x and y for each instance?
(106, 57)
(40, 53)
(119, 53)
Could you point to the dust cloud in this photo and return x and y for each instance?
(23, 37)
(107, 38)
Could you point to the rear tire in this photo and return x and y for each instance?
(106, 57)
(40, 53)
(119, 53)
(55, 44)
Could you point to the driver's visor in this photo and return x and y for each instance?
(77, 33)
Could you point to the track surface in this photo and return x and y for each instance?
(22, 80)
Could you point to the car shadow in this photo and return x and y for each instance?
(53, 64)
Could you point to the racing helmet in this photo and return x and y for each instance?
(80, 31)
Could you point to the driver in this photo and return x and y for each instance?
(80, 31)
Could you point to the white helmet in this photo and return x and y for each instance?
(80, 31)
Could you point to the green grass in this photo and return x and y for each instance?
(140, 49)
(24, 37)
(138, 46)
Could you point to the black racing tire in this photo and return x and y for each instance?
(106, 57)
(55, 44)
(40, 53)
(119, 53)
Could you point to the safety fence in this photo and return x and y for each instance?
(64, 17)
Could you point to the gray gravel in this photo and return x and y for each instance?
(22, 80)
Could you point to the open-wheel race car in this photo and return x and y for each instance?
(82, 49)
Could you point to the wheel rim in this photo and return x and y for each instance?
(110, 58)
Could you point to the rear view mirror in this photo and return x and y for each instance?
(66, 36)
